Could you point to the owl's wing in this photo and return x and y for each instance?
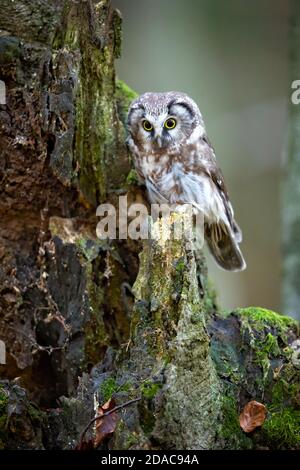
(212, 170)
(222, 238)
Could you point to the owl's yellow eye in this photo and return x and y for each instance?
(170, 123)
(147, 126)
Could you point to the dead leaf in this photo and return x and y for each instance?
(106, 419)
(252, 416)
(106, 425)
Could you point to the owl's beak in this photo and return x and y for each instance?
(158, 140)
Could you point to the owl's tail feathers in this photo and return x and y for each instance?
(223, 245)
(237, 232)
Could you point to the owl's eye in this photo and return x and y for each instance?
(147, 126)
(170, 123)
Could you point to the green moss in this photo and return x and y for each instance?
(3, 401)
(230, 417)
(180, 265)
(124, 93)
(132, 178)
(265, 328)
(3, 397)
(270, 345)
(3, 415)
(124, 97)
(264, 317)
(36, 415)
(283, 393)
(110, 386)
(149, 389)
(282, 429)
(131, 440)
(266, 349)
(230, 430)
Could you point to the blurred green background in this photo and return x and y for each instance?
(232, 58)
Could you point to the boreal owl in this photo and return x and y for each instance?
(175, 160)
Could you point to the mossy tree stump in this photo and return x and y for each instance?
(195, 368)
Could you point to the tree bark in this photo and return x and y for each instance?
(84, 320)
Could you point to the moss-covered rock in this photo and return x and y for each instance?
(251, 349)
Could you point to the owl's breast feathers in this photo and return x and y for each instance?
(188, 175)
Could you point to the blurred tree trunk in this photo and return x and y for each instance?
(291, 188)
(76, 332)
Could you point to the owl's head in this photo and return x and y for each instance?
(163, 120)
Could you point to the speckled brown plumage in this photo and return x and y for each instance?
(179, 166)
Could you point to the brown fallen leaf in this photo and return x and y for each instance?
(106, 421)
(252, 416)
(107, 424)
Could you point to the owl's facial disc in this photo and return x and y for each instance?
(168, 128)
(152, 128)
(161, 127)
(177, 124)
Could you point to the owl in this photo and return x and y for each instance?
(176, 162)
